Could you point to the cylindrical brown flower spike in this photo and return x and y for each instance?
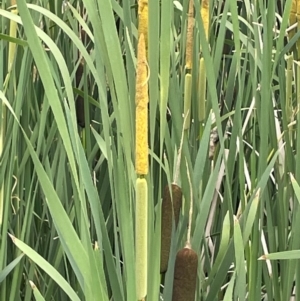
(186, 263)
(141, 118)
(185, 275)
(171, 203)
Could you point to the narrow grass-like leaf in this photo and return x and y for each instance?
(73, 247)
(10, 267)
(43, 264)
(229, 290)
(36, 292)
(251, 217)
(287, 255)
(296, 187)
(240, 268)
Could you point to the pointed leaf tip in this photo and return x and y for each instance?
(13, 238)
(32, 285)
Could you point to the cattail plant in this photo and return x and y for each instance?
(171, 205)
(141, 152)
(141, 169)
(188, 64)
(185, 274)
(186, 264)
(202, 70)
(141, 247)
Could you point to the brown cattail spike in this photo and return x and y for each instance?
(185, 275)
(171, 203)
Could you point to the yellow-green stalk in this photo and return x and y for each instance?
(289, 79)
(141, 247)
(202, 71)
(187, 99)
(289, 85)
(202, 90)
(143, 20)
(141, 100)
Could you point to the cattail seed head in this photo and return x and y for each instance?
(185, 275)
(171, 203)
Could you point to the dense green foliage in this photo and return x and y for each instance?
(67, 193)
